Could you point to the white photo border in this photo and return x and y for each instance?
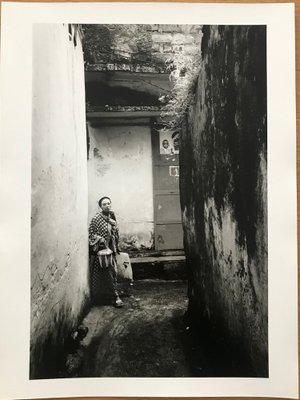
(15, 201)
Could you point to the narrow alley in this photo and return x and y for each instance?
(168, 164)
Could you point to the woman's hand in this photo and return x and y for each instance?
(100, 238)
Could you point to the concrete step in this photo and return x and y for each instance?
(154, 260)
(161, 267)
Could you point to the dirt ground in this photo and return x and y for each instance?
(150, 337)
(143, 339)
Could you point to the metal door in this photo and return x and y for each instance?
(167, 212)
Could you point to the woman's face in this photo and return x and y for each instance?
(105, 205)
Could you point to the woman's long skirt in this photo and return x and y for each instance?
(103, 278)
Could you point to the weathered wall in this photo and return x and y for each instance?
(59, 249)
(120, 166)
(224, 190)
(139, 48)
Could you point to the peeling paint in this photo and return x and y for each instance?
(125, 175)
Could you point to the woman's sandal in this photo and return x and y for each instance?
(118, 303)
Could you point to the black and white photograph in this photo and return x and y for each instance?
(149, 203)
(149, 253)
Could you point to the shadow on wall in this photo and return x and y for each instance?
(223, 186)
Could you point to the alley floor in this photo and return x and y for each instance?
(149, 337)
(142, 339)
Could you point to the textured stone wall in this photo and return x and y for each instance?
(136, 48)
(224, 190)
(59, 249)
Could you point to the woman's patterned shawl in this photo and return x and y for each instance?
(105, 227)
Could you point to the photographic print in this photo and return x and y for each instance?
(149, 254)
(148, 168)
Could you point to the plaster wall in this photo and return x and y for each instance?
(59, 248)
(223, 183)
(120, 166)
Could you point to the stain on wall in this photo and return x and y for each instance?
(59, 249)
(223, 183)
(120, 166)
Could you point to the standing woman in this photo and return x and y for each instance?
(103, 241)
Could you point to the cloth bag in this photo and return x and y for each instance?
(124, 269)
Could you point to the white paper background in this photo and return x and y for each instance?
(15, 159)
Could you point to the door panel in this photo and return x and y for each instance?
(167, 207)
(166, 177)
(169, 236)
(167, 211)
